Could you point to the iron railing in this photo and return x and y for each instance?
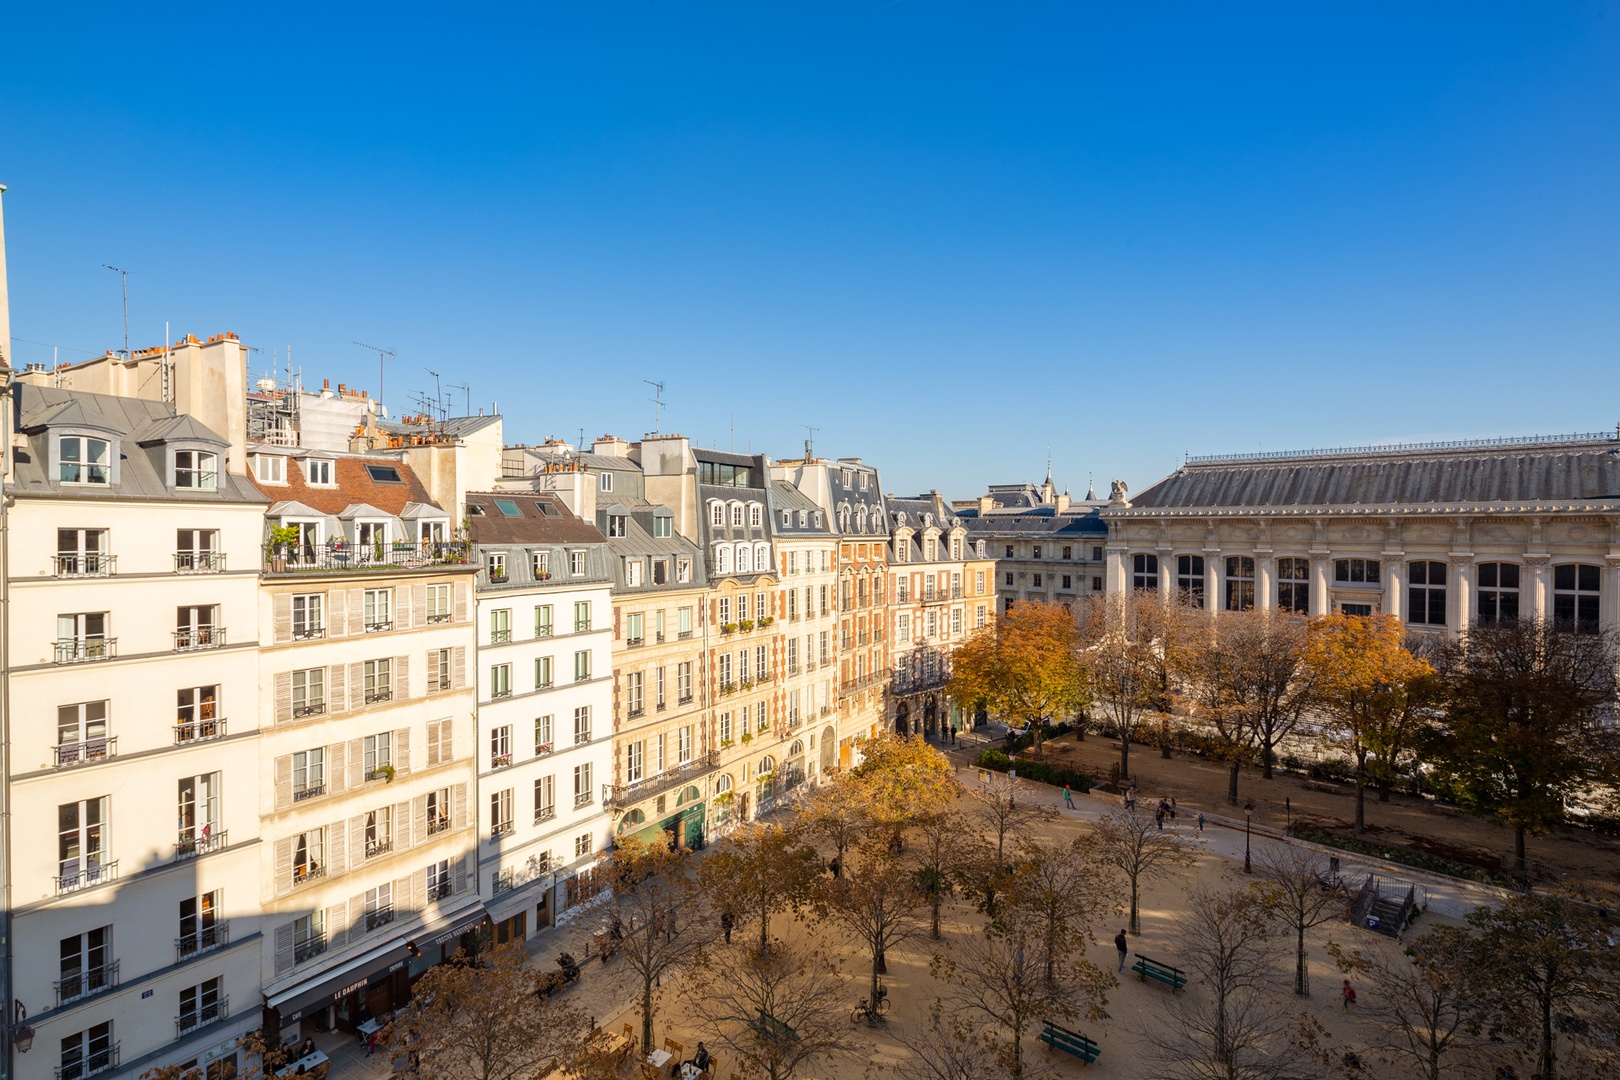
(87, 982)
(202, 940)
(85, 564)
(205, 1013)
(1400, 448)
(73, 877)
(198, 637)
(80, 650)
(199, 562)
(620, 795)
(199, 730)
(91, 1064)
(189, 847)
(309, 948)
(97, 749)
(341, 557)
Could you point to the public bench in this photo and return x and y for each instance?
(1152, 969)
(1072, 1042)
(770, 1029)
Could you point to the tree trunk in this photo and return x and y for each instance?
(1124, 758)
(1300, 986)
(1136, 919)
(1267, 760)
(1231, 784)
(935, 902)
(1549, 1063)
(646, 1017)
(1383, 790)
(764, 930)
(1361, 794)
(1038, 725)
(872, 1000)
(1018, 1048)
(1518, 852)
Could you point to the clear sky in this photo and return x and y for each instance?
(950, 236)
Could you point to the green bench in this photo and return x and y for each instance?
(771, 1030)
(1152, 969)
(1061, 1038)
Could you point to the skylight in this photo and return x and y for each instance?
(384, 474)
(508, 507)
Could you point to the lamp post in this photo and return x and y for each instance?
(1248, 828)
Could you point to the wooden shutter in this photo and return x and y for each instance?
(402, 826)
(337, 848)
(281, 608)
(337, 696)
(419, 605)
(459, 819)
(284, 866)
(402, 607)
(284, 948)
(337, 621)
(458, 667)
(402, 752)
(461, 876)
(461, 601)
(284, 791)
(419, 821)
(357, 840)
(402, 678)
(357, 611)
(337, 926)
(357, 686)
(357, 915)
(337, 772)
(445, 754)
(418, 884)
(357, 762)
(433, 742)
(283, 698)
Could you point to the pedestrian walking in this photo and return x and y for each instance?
(1348, 994)
(727, 921)
(1158, 817)
(1068, 797)
(1172, 808)
(1123, 946)
(1200, 822)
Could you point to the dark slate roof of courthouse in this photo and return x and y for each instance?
(1534, 471)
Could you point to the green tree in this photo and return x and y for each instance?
(1025, 667)
(1522, 705)
(761, 869)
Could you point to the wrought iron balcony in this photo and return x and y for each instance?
(619, 796)
(199, 731)
(438, 823)
(440, 890)
(309, 948)
(309, 872)
(199, 562)
(374, 848)
(72, 876)
(544, 813)
(81, 650)
(380, 917)
(379, 693)
(77, 753)
(308, 632)
(94, 1063)
(202, 940)
(499, 637)
(191, 845)
(190, 638)
(309, 791)
(314, 708)
(206, 1013)
(87, 982)
(338, 557)
(70, 564)
(584, 798)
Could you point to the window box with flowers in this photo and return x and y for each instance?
(746, 625)
(765, 621)
(541, 749)
(747, 737)
(728, 628)
(727, 688)
(500, 761)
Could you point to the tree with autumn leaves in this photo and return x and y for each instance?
(1024, 667)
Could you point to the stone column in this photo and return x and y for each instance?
(1539, 583)
(1394, 573)
(1320, 597)
(1214, 580)
(1116, 578)
(1460, 596)
(1609, 594)
(1167, 575)
(1265, 585)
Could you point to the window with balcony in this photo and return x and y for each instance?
(725, 727)
(379, 906)
(308, 616)
(545, 798)
(201, 1004)
(499, 813)
(82, 553)
(658, 688)
(440, 882)
(83, 460)
(377, 681)
(379, 609)
(582, 725)
(438, 604)
(309, 856)
(1575, 597)
(543, 734)
(309, 692)
(1498, 592)
(308, 774)
(196, 626)
(683, 682)
(379, 755)
(87, 1053)
(201, 928)
(438, 811)
(81, 843)
(542, 620)
(86, 965)
(197, 715)
(633, 694)
(544, 676)
(582, 616)
(500, 747)
(582, 665)
(81, 733)
(440, 668)
(309, 937)
(82, 637)
(1294, 586)
(584, 794)
(379, 831)
(633, 763)
(198, 814)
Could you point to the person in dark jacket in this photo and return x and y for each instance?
(1123, 946)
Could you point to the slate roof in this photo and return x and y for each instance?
(456, 426)
(142, 466)
(543, 519)
(784, 496)
(1536, 474)
(1081, 520)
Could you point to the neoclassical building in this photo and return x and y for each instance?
(1439, 534)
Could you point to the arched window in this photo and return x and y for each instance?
(722, 558)
(797, 748)
(1190, 580)
(634, 817)
(1498, 592)
(1144, 572)
(1426, 593)
(1239, 583)
(754, 513)
(762, 557)
(1575, 596)
(745, 559)
(1294, 585)
(722, 785)
(688, 794)
(767, 764)
(737, 513)
(717, 513)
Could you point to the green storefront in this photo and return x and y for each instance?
(684, 828)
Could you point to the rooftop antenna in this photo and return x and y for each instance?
(809, 440)
(124, 275)
(438, 395)
(582, 440)
(657, 400)
(468, 391)
(382, 354)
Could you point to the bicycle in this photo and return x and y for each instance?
(869, 1014)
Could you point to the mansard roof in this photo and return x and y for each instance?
(1548, 470)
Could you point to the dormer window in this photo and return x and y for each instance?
(269, 468)
(801, 519)
(85, 460)
(618, 524)
(605, 481)
(318, 473)
(787, 519)
(755, 514)
(717, 513)
(663, 527)
(197, 470)
(736, 513)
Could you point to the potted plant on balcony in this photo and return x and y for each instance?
(387, 773)
(765, 620)
(746, 625)
(728, 628)
(747, 738)
(283, 538)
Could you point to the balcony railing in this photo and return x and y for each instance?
(340, 557)
(581, 738)
(92, 1064)
(309, 791)
(635, 712)
(85, 564)
(378, 693)
(441, 889)
(496, 695)
(191, 846)
(622, 795)
(199, 562)
(380, 917)
(438, 824)
(77, 753)
(206, 1013)
(203, 940)
(584, 798)
(500, 761)
(303, 875)
(87, 982)
(544, 813)
(500, 829)
(314, 708)
(377, 626)
(73, 876)
(308, 632)
(543, 630)
(198, 637)
(683, 635)
(375, 848)
(80, 650)
(582, 626)
(439, 617)
(497, 637)
(634, 641)
(309, 948)
(199, 731)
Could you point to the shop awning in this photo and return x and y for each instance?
(450, 928)
(358, 974)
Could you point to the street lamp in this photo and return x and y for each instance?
(1248, 828)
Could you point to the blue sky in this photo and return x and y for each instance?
(950, 236)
